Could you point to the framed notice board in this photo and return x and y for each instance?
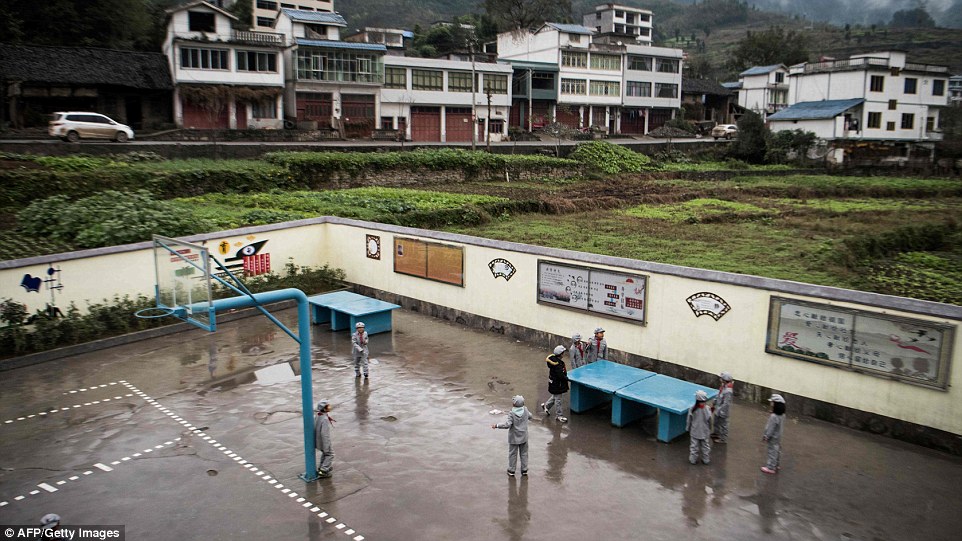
(600, 291)
(431, 260)
(910, 350)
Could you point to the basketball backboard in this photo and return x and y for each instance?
(184, 281)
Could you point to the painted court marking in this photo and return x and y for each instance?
(237, 458)
(67, 408)
(50, 488)
(91, 388)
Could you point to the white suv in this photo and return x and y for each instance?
(72, 126)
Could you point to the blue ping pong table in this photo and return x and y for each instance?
(596, 383)
(671, 397)
(344, 309)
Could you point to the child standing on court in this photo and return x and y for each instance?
(322, 438)
(773, 433)
(517, 424)
(597, 347)
(722, 408)
(577, 351)
(359, 347)
(557, 383)
(699, 427)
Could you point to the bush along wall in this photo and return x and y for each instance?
(22, 333)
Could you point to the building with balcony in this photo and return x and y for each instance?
(610, 86)
(266, 12)
(632, 24)
(435, 100)
(332, 84)
(868, 97)
(223, 78)
(392, 38)
(955, 90)
(764, 89)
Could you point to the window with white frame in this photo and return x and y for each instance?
(908, 121)
(666, 65)
(573, 86)
(911, 85)
(607, 62)
(203, 59)
(265, 108)
(200, 21)
(256, 61)
(639, 63)
(638, 89)
(495, 84)
(605, 88)
(666, 90)
(938, 87)
(428, 80)
(459, 81)
(574, 38)
(573, 59)
(395, 77)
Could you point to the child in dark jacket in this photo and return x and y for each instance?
(517, 424)
(557, 384)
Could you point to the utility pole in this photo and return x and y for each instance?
(487, 125)
(474, 107)
(530, 86)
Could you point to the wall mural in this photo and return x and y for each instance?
(53, 283)
(708, 304)
(248, 257)
(502, 268)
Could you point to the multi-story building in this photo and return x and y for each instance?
(764, 89)
(621, 21)
(435, 100)
(392, 38)
(873, 96)
(332, 83)
(266, 12)
(955, 90)
(608, 85)
(224, 78)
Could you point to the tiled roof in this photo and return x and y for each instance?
(323, 17)
(330, 44)
(761, 70)
(571, 28)
(85, 66)
(816, 110)
(703, 86)
(732, 86)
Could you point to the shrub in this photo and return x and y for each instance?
(106, 219)
(752, 141)
(610, 158)
(783, 143)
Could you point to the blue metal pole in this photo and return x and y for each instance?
(304, 339)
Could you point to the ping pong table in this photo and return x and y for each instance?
(344, 309)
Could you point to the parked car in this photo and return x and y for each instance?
(727, 131)
(73, 126)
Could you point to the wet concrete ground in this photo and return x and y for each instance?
(415, 455)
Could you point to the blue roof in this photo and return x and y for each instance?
(761, 70)
(571, 28)
(323, 17)
(732, 86)
(816, 110)
(341, 44)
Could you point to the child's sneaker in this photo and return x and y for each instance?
(562, 418)
(323, 474)
(544, 409)
(524, 473)
(768, 470)
(510, 473)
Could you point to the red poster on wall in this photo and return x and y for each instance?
(255, 265)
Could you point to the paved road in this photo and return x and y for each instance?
(197, 436)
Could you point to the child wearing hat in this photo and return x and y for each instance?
(699, 427)
(773, 433)
(557, 383)
(597, 347)
(517, 425)
(322, 438)
(722, 408)
(359, 343)
(577, 351)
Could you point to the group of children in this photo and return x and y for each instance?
(704, 424)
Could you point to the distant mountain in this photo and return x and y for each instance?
(947, 13)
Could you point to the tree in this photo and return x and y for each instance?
(527, 14)
(752, 142)
(244, 11)
(912, 18)
(768, 47)
(114, 24)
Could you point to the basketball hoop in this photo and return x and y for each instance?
(154, 312)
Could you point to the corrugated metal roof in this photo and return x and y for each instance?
(571, 28)
(341, 44)
(324, 17)
(732, 86)
(535, 66)
(816, 110)
(761, 70)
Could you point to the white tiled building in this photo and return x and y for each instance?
(764, 89)
(223, 78)
(266, 12)
(431, 100)
(882, 96)
(632, 23)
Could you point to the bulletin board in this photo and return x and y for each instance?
(598, 291)
(910, 350)
(431, 260)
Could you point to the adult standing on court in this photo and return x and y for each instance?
(597, 347)
(577, 351)
(359, 346)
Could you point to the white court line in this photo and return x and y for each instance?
(68, 408)
(91, 388)
(237, 458)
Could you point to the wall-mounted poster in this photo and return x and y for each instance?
(907, 349)
(372, 244)
(594, 290)
(435, 261)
